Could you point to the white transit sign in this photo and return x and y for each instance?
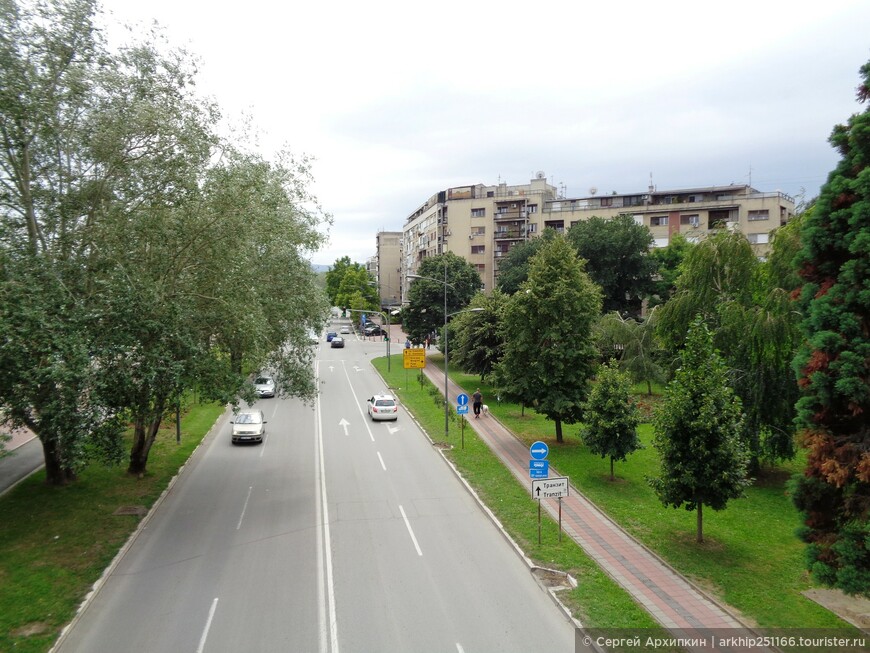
(550, 488)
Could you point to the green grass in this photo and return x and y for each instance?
(751, 558)
(56, 542)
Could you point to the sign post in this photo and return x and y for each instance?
(539, 467)
(551, 488)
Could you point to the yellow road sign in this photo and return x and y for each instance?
(414, 359)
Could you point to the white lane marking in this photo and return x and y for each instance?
(321, 599)
(327, 540)
(358, 405)
(244, 508)
(410, 530)
(459, 648)
(201, 647)
(344, 424)
(382, 461)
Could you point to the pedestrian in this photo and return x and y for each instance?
(408, 343)
(427, 342)
(477, 402)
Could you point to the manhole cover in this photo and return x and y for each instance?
(138, 511)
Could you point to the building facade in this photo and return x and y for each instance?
(388, 267)
(481, 223)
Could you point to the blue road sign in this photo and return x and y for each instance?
(462, 399)
(539, 450)
(462, 410)
(539, 468)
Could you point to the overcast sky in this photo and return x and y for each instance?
(398, 100)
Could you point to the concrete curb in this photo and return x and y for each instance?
(101, 581)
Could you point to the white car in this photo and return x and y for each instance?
(249, 426)
(383, 407)
(264, 386)
(344, 329)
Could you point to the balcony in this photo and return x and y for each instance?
(510, 234)
(510, 214)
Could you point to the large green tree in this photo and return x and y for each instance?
(513, 269)
(476, 337)
(669, 260)
(617, 251)
(704, 461)
(549, 355)
(610, 417)
(832, 363)
(426, 295)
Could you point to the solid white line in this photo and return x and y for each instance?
(459, 648)
(202, 639)
(358, 405)
(382, 461)
(408, 525)
(321, 599)
(244, 508)
(327, 540)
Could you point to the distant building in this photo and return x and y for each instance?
(388, 267)
(481, 223)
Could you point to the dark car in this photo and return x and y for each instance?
(374, 330)
(330, 335)
(337, 341)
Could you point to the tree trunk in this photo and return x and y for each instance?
(558, 430)
(56, 473)
(649, 387)
(700, 537)
(144, 434)
(611, 469)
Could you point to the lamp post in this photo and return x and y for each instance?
(446, 315)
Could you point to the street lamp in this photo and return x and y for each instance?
(446, 315)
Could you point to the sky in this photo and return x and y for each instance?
(395, 101)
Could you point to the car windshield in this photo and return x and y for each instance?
(248, 418)
(385, 402)
(263, 381)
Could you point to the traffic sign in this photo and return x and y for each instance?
(539, 468)
(551, 488)
(462, 410)
(539, 450)
(414, 359)
(462, 399)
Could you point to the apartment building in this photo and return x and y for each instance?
(388, 267)
(481, 223)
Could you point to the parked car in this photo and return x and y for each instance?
(264, 386)
(330, 335)
(337, 341)
(249, 426)
(383, 407)
(374, 330)
(344, 329)
(313, 338)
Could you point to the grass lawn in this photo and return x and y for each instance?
(56, 542)
(751, 558)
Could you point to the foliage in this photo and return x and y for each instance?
(425, 312)
(611, 419)
(697, 432)
(618, 260)
(513, 269)
(832, 363)
(476, 342)
(549, 357)
(634, 343)
(349, 285)
(669, 260)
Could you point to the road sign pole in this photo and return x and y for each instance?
(539, 522)
(560, 519)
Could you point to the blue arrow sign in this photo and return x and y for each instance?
(462, 399)
(539, 468)
(539, 450)
(462, 410)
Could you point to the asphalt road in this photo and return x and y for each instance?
(336, 534)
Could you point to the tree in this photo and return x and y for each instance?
(549, 357)
(357, 290)
(832, 364)
(635, 344)
(669, 260)
(425, 312)
(618, 260)
(697, 432)
(513, 269)
(475, 338)
(611, 417)
(335, 275)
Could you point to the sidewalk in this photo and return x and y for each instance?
(674, 602)
(24, 456)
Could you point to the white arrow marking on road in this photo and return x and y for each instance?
(392, 429)
(331, 368)
(357, 369)
(344, 423)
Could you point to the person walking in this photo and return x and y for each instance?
(477, 402)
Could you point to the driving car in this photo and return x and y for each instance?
(248, 426)
(330, 335)
(383, 407)
(337, 341)
(264, 386)
(344, 329)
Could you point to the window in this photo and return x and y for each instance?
(761, 214)
(478, 231)
(532, 228)
(532, 208)
(606, 201)
(692, 220)
(658, 221)
(478, 213)
(660, 242)
(758, 239)
(638, 219)
(478, 249)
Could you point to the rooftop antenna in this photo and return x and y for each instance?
(651, 187)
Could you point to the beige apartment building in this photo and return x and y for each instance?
(481, 223)
(386, 267)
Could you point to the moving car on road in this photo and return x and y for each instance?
(383, 407)
(249, 426)
(264, 386)
(337, 341)
(330, 335)
(344, 329)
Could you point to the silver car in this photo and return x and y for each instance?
(249, 426)
(264, 386)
